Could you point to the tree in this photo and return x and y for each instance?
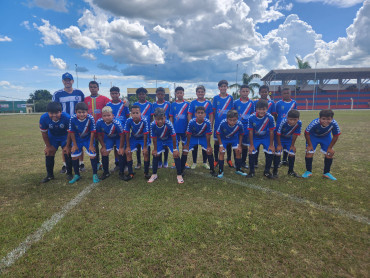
(40, 98)
(247, 80)
(301, 64)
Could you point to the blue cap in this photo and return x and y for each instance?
(67, 75)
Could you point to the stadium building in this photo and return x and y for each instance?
(12, 106)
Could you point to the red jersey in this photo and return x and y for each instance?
(96, 104)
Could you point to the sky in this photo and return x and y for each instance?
(134, 43)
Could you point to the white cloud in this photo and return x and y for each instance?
(338, 3)
(55, 5)
(4, 83)
(27, 67)
(49, 33)
(58, 63)
(5, 39)
(26, 24)
(8, 85)
(35, 68)
(89, 56)
(78, 40)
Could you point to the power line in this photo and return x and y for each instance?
(13, 98)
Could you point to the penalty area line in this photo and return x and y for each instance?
(47, 226)
(328, 209)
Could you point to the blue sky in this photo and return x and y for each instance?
(186, 42)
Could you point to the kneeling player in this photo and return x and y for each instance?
(319, 132)
(82, 131)
(163, 135)
(110, 134)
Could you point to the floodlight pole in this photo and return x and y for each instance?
(76, 75)
(156, 77)
(314, 89)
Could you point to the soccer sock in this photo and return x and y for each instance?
(269, 158)
(178, 165)
(309, 163)
(238, 163)
(184, 158)
(49, 161)
(228, 152)
(76, 166)
(160, 158)
(327, 164)
(276, 163)
(129, 166)
(166, 151)
(116, 161)
(221, 165)
(105, 161)
(122, 163)
(94, 165)
(244, 156)
(285, 156)
(256, 155)
(81, 162)
(204, 154)
(146, 167)
(149, 154)
(97, 151)
(155, 164)
(195, 154)
(138, 154)
(252, 162)
(291, 160)
(68, 159)
(211, 162)
(216, 151)
(64, 164)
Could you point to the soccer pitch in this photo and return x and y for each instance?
(233, 227)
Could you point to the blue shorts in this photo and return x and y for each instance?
(215, 135)
(245, 141)
(265, 142)
(163, 143)
(134, 142)
(234, 143)
(80, 144)
(285, 143)
(323, 141)
(111, 142)
(181, 137)
(57, 141)
(195, 141)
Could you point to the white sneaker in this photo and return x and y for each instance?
(194, 166)
(205, 165)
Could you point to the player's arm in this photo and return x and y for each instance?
(190, 116)
(101, 141)
(271, 147)
(240, 142)
(176, 153)
(212, 118)
(209, 148)
(308, 140)
(154, 152)
(128, 146)
(188, 137)
(292, 146)
(251, 145)
(220, 142)
(48, 147)
(145, 147)
(73, 139)
(279, 147)
(171, 119)
(330, 151)
(91, 146)
(121, 150)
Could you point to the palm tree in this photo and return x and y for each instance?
(247, 80)
(301, 64)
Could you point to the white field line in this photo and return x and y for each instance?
(328, 209)
(47, 226)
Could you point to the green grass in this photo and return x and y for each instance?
(205, 227)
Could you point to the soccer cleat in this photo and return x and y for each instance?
(256, 166)
(105, 175)
(268, 175)
(165, 164)
(75, 179)
(64, 169)
(173, 166)
(215, 164)
(250, 175)
(186, 166)
(159, 164)
(116, 168)
(153, 178)
(98, 166)
(47, 179)
(241, 172)
(230, 163)
(220, 175)
(205, 165)
(82, 167)
(213, 173)
(95, 178)
(180, 179)
(275, 175)
(138, 166)
(307, 174)
(69, 176)
(245, 165)
(128, 177)
(121, 176)
(293, 174)
(194, 166)
(147, 176)
(329, 176)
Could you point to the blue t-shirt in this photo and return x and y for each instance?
(179, 112)
(59, 128)
(282, 108)
(230, 132)
(137, 129)
(222, 105)
(261, 126)
(145, 109)
(206, 104)
(68, 101)
(82, 129)
(286, 131)
(271, 106)
(165, 105)
(244, 109)
(112, 130)
(316, 129)
(199, 129)
(120, 111)
(162, 133)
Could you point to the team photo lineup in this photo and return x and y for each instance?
(240, 128)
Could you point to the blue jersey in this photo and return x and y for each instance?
(112, 130)
(59, 128)
(196, 103)
(82, 129)
(286, 131)
(271, 106)
(230, 132)
(261, 126)
(316, 129)
(120, 111)
(165, 105)
(162, 133)
(282, 108)
(221, 105)
(145, 109)
(179, 112)
(137, 129)
(244, 109)
(199, 129)
(68, 101)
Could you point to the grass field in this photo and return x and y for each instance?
(204, 228)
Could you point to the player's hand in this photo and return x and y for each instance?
(222, 149)
(272, 148)
(309, 148)
(128, 149)
(154, 153)
(48, 151)
(103, 151)
(176, 154)
(66, 150)
(251, 149)
(209, 151)
(74, 148)
(121, 151)
(330, 152)
(238, 149)
(92, 149)
(279, 148)
(145, 151)
(292, 149)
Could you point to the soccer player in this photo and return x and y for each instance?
(54, 130)
(245, 107)
(222, 103)
(319, 131)
(230, 132)
(68, 98)
(166, 106)
(82, 131)
(282, 108)
(199, 132)
(200, 101)
(261, 126)
(139, 128)
(286, 135)
(110, 134)
(163, 135)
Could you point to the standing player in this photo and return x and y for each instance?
(319, 131)
(54, 130)
(222, 104)
(200, 101)
(282, 108)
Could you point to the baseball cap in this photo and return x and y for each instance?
(67, 75)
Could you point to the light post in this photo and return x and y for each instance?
(314, 89)
(76, 75)
(156, 77)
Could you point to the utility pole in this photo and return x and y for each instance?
(76, 75)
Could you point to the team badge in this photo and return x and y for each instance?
(50, 126)
(61, 125)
